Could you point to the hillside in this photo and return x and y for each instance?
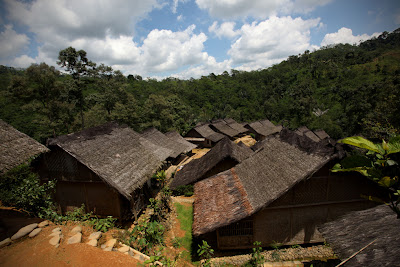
(343, 89)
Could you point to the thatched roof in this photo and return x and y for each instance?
(117, 154)
(357, 230)
(307, 132)
(224, 128)
(170, 146)
(205, 131)
(196, 169)
(185, 146)
(254, 183)
(264, 127)
(238, 127)
(16, 147)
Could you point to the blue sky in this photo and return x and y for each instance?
(185, 38)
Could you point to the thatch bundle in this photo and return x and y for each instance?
(16, 147)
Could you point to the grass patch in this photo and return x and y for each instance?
(185, 217)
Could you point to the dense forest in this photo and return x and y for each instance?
(344, 89)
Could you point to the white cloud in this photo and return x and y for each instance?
(23, 61)
(257, 8)
(179, 18)
(345, 36)
(207, 67)
(175, 5)
(11, 42)
(262, 44)
(164, 50)
(226, 29)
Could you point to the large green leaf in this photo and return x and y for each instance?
(361, 142)
(356, 161)
(394, 145)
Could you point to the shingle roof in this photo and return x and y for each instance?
(356, 230)
(117, 154)
(16, 147)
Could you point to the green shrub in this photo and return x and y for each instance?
(145, 235)
(102, 224)
(183, 190)
(205, 252)
(21, 188)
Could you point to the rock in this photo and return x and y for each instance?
(35, 232)
(77, 229)
(124, 249)
(92, 242)
(5, 242)
(43, 224)
(111, 243)
(107, 249)
(55, 240)
(103, 246)
(58, 229)
(24, 231)
(55, 234)
(77, 238)
(95, 235)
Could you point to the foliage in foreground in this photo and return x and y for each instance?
(378, 165)
(79, 215)
(205, 252)
(21, 188)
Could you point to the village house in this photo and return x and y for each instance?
(223, 156)
(366, 238)
(107, 168)
(16, 147)
(203, 135)
(280, 194)
(262, 129)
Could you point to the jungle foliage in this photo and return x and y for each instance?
(343, 89)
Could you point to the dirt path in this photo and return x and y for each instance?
(38, 252)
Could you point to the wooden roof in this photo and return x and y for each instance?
(16, 147)
(376, 230)
(117, 154)
(196, 169)
(258, 181)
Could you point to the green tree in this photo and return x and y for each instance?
(78, 65)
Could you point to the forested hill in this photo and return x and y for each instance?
(343, 89)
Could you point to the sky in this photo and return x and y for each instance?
(185, 38)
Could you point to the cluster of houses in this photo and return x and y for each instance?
(278, 191)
